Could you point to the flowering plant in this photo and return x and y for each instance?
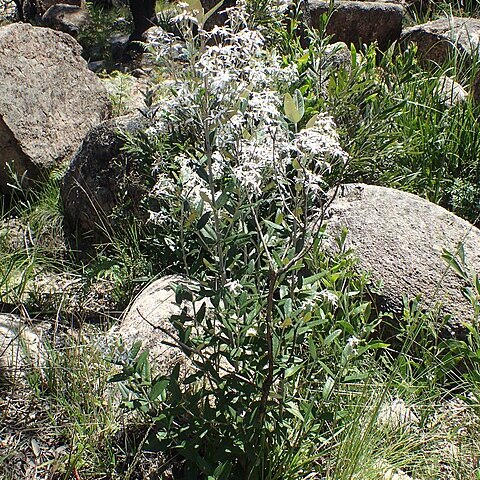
(242, 197)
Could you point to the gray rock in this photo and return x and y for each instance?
(149, 320)
(97, 66)
(399, 238)
(8, 11)
(450, 92)
(360, 22)
(91, 186)
(66, 18)
(439, 40)
(118, 44)
(20, 348)
(337, 56)
(48, 100)
(13, 235)
(32, 10)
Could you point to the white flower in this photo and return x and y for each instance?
(164, 185)
(158, 218)
(194, 188)
(234, 287)
(353, 342)
(320, 142)
(260, 159)
(186, 14)
(309, 303)
(264, 107)
(238, 82)
(219, 165)
(250, 177)
(330, 297)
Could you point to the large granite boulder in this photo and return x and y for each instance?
(446, 38)
(48, 100)
(149, 320)
(400, 238)
(439, 40)
(96, 179)
(32, 10)
(360, 22)
(66, 18)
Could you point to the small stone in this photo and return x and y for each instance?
(396, 415)
(449, 92)
(96, 66)
(66, 18)
(149, 320)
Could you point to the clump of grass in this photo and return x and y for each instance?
(400, 133)
(32, 242)
(74, 424)
(119, 88)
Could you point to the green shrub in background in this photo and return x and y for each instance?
(398, 131)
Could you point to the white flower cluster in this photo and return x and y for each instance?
(194, 188)
(320, 141)
(161, 42)
(275, 6)
(234, 94)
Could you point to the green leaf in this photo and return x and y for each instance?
(454, 263)
(331, 338)
(312, 348)
(299, 102)
(312, 121)
(273, 225)
(119, 377)
(158, 388)
(135, 349)
(222, 200)
(202, 173)
(294, 410)
(293, 370)
(477, 283)
(204, 196)
(287, 307)
(142, 363)
(328, 387)
(313, 278)
(203, 220)
(200, 315)
(294, 106)
(326, 368)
